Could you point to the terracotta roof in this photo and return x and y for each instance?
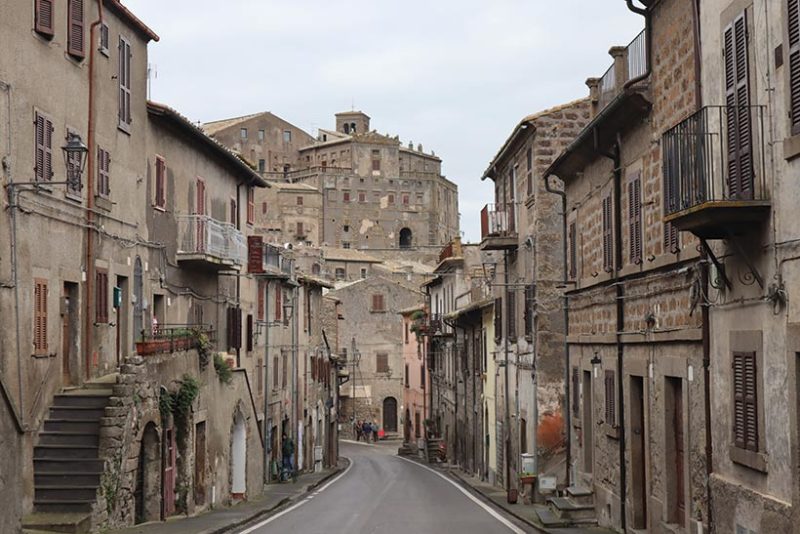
(124, 13)
(161, 110)
(213, 127)
(314, 281)
(522, 126)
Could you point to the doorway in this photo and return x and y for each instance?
(200, 464)
(638, 467)
(239, 458)
(147, 497)
(122, 319)
(587, 423)
(170, 472)
(390, 414)
(69, 331)
(676, 487)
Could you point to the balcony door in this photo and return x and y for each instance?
(200, 211)
(737, 103)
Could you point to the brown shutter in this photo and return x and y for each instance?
(261, 301)
(250, 332)
(124, 78)
(275, 364)
(101, 297)
(573, 251)
(611, 418)
(44, 17)
(498, 319)
(251, 204)
(40, 150)
(635, 219)
(260, 376)
(576, 397)
(103, 172)
(512, 316)
(745, 400)
(530, 297)
(737, 100)
(40, 316)
(161, 171)
(75, 29)
(284, 369)
(278, 308)
(255, 254)
(608, 253)
(793, 21)
(300, 229)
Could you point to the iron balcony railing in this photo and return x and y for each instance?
(498, 220)
(637, 56)
(608, 86)
(716, 154)
(202, 235)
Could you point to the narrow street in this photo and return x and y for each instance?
(382, 493)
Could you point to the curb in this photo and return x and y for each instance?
(283, 502)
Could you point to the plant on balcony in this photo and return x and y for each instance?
(203, 348)
(224, 371)
(418, 320)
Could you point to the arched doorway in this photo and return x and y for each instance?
(239, 457)
(138, 295)
(406, 238)
(390, 414)
(147, 496)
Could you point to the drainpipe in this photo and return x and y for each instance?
(90, 197)
(567, 383)
(507, 425)
(267, 437)
(238, 225)
(649, 43)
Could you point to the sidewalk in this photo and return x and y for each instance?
(221, 520)
(523, 512)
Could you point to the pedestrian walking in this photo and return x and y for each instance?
(366, 429)
(357, 430)
(287, 451)
(375, 432)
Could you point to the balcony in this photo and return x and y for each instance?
(206, 242)
(714, 177)
(498, 227)
(630, 62)
(263, 258)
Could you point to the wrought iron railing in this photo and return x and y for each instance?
(169, 338)
(498, 220)
(637, 56)
(716, 154)
(200, 234)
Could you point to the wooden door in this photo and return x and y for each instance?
(200, 464)
(169, 472)
(390, 414)
(66, 337)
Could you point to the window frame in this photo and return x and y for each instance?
(160, 183)
(40, 316)
(103, 172)
(382, 363)
(42, 25)
(76, 29)
(125, 87)
(251, 204)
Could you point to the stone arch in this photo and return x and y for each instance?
(390, 414)
(406, 238)
(147, 496)
(238, 455)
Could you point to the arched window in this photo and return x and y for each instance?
(346, 128)
(353, 127)
(406, 238)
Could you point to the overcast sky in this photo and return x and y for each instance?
(455, 76)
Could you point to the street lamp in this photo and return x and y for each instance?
(74, 159)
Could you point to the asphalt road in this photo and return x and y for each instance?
(384, 494)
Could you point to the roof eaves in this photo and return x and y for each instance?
(132, 19)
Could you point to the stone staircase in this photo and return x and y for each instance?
(575, 509)
(66, 464)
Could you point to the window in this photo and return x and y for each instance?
(103, 172)
(573, 250)
(405, 336)
(405, 199)
(530, 299)
(275, 368)
(43, 170)
(529, 166)
(75, 29)
(263, 207)
(608, 253)
(124, 78)
(376, 160)
(101, 296)
(391, 199)
(378, 304)
(284, 368)
(40, 316)
(332, 195)
(243, 133)
(103, 39)
(512, 316)
(234, 212)
(407, 381)
(345, 244)
(745, 401)
(611, 403)
(261, 135)
(161, 190)
(299, 201)
(422, 375)
(260, 308)
(362, 196)
(382, 363)
(345, 196)
(576, 393)
(287, 136)
(340, 273)
(262, 165)
(251, 204)
(363, 273)
(278, 305)
(300, 231)
(635, 219)
(498, 319)
(250, 333)
(259, 376)
(44, 17)
(793, 22)
(234, 328)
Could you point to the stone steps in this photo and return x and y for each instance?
(69, 523)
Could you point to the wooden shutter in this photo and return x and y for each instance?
(300, 232)
(382, 363)
(43, 139)
(610, 412)
(161, 192)
(278, 306)
(124, 78)
(101, 297)
(573, 251)
(512, 316)
(255, 254)
(530, 297)
(793, 21)
(635, 219)
(260, 308)
(260, 376)
(498, 319)
(44, 17)
(251, 204)
(250, 332)
(234, 328)
(745, 400)
(275, 366)
(737, 100)
(576, 392)
(377, 303)
(284, 369)
(608, 253)
(40, 316)
(75, 29)
(103, 172)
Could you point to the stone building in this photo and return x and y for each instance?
(743, 209)
(376, 192)
(415, 376)
(637, 376)
(371, 340)
(523, 227)
(289, 213)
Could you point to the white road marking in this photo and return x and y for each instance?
(473, 498)
(297, 505)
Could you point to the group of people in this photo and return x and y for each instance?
(366, 430)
